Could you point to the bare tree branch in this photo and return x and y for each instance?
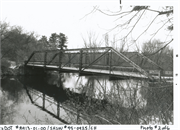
(159, 29)
(146, 28)
(161, 12)
(135, 24)
(127, 12)
(94, 9)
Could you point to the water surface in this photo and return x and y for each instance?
(69, 98)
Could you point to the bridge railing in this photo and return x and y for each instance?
(87, 58)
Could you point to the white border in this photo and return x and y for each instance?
(174, 3)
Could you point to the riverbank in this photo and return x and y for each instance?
(9, 68)
(8, 72)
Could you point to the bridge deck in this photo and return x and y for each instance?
(92, 71)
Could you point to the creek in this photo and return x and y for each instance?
(57, 99)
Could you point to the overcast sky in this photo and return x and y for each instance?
(45, 18)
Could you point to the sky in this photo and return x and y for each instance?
(47, 17)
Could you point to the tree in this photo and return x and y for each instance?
(44, 42)
(58, 40)
(92, 40)
(15, 43)
(4, 30)
(151, 47)
(129, 23)
(156, 51)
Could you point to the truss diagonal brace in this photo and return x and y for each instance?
(70, 60)
(96, 59)
(52, 58)
(133, 64)
(29, 58)
(150, 61)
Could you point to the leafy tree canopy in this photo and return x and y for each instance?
(17, 45)
(58, 40)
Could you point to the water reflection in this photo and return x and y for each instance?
(70, 98)
(16, 107)
(11, 96)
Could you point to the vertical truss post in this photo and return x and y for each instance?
(80, 60)
(69, 59)
(107, 59)
(160, 73)
(86, 58)
(58, 109)
(110, 62)
(60, 58)
(45, 58)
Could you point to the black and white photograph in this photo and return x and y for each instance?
(89, 63)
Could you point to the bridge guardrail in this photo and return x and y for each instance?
(86, 58)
